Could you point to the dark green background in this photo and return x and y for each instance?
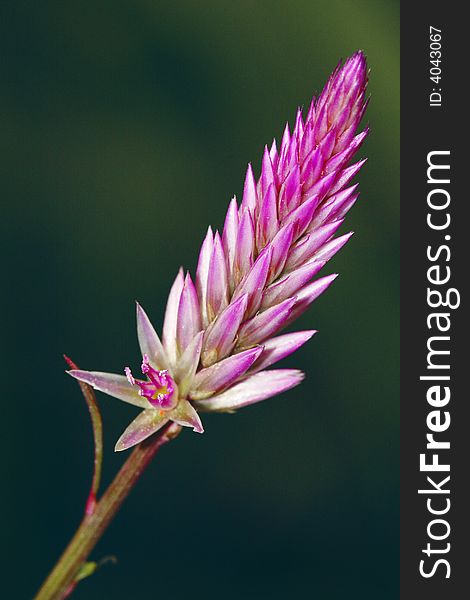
(125, 128)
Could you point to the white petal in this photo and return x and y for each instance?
(187, 364)
(143, 426)
(171, 318)
(149, 341)
(114, 385)
(223, 373)
(253, 389)
(202, 272)
(279, 347)
(184, 414)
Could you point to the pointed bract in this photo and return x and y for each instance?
(331, 248)
(143, 426)
(111, 384)
(307, 246)
(267, 173)
(308, 294)
(268, 224)
(229, 238)
(202, 273)
(332, 208)
(279, 347)
(189, 319)
(224, 373)
(188, 364)
(220, 337)
(280, 251)
(290, 194)
(171, 318)
(253, 389)
(217, 282)
(265, 324)
(185, 415)
(149, 341)
(253, 284)
(244, 248)
(250, 196)
(288, 285)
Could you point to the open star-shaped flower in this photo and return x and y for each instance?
(255, 278)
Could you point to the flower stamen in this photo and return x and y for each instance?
(159, 390)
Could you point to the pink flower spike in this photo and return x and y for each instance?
(254, 279)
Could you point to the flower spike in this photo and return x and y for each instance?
(255, 278)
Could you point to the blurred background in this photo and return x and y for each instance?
(126, 126)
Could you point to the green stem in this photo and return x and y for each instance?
(63, 576)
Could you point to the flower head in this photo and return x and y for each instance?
(254, 279)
